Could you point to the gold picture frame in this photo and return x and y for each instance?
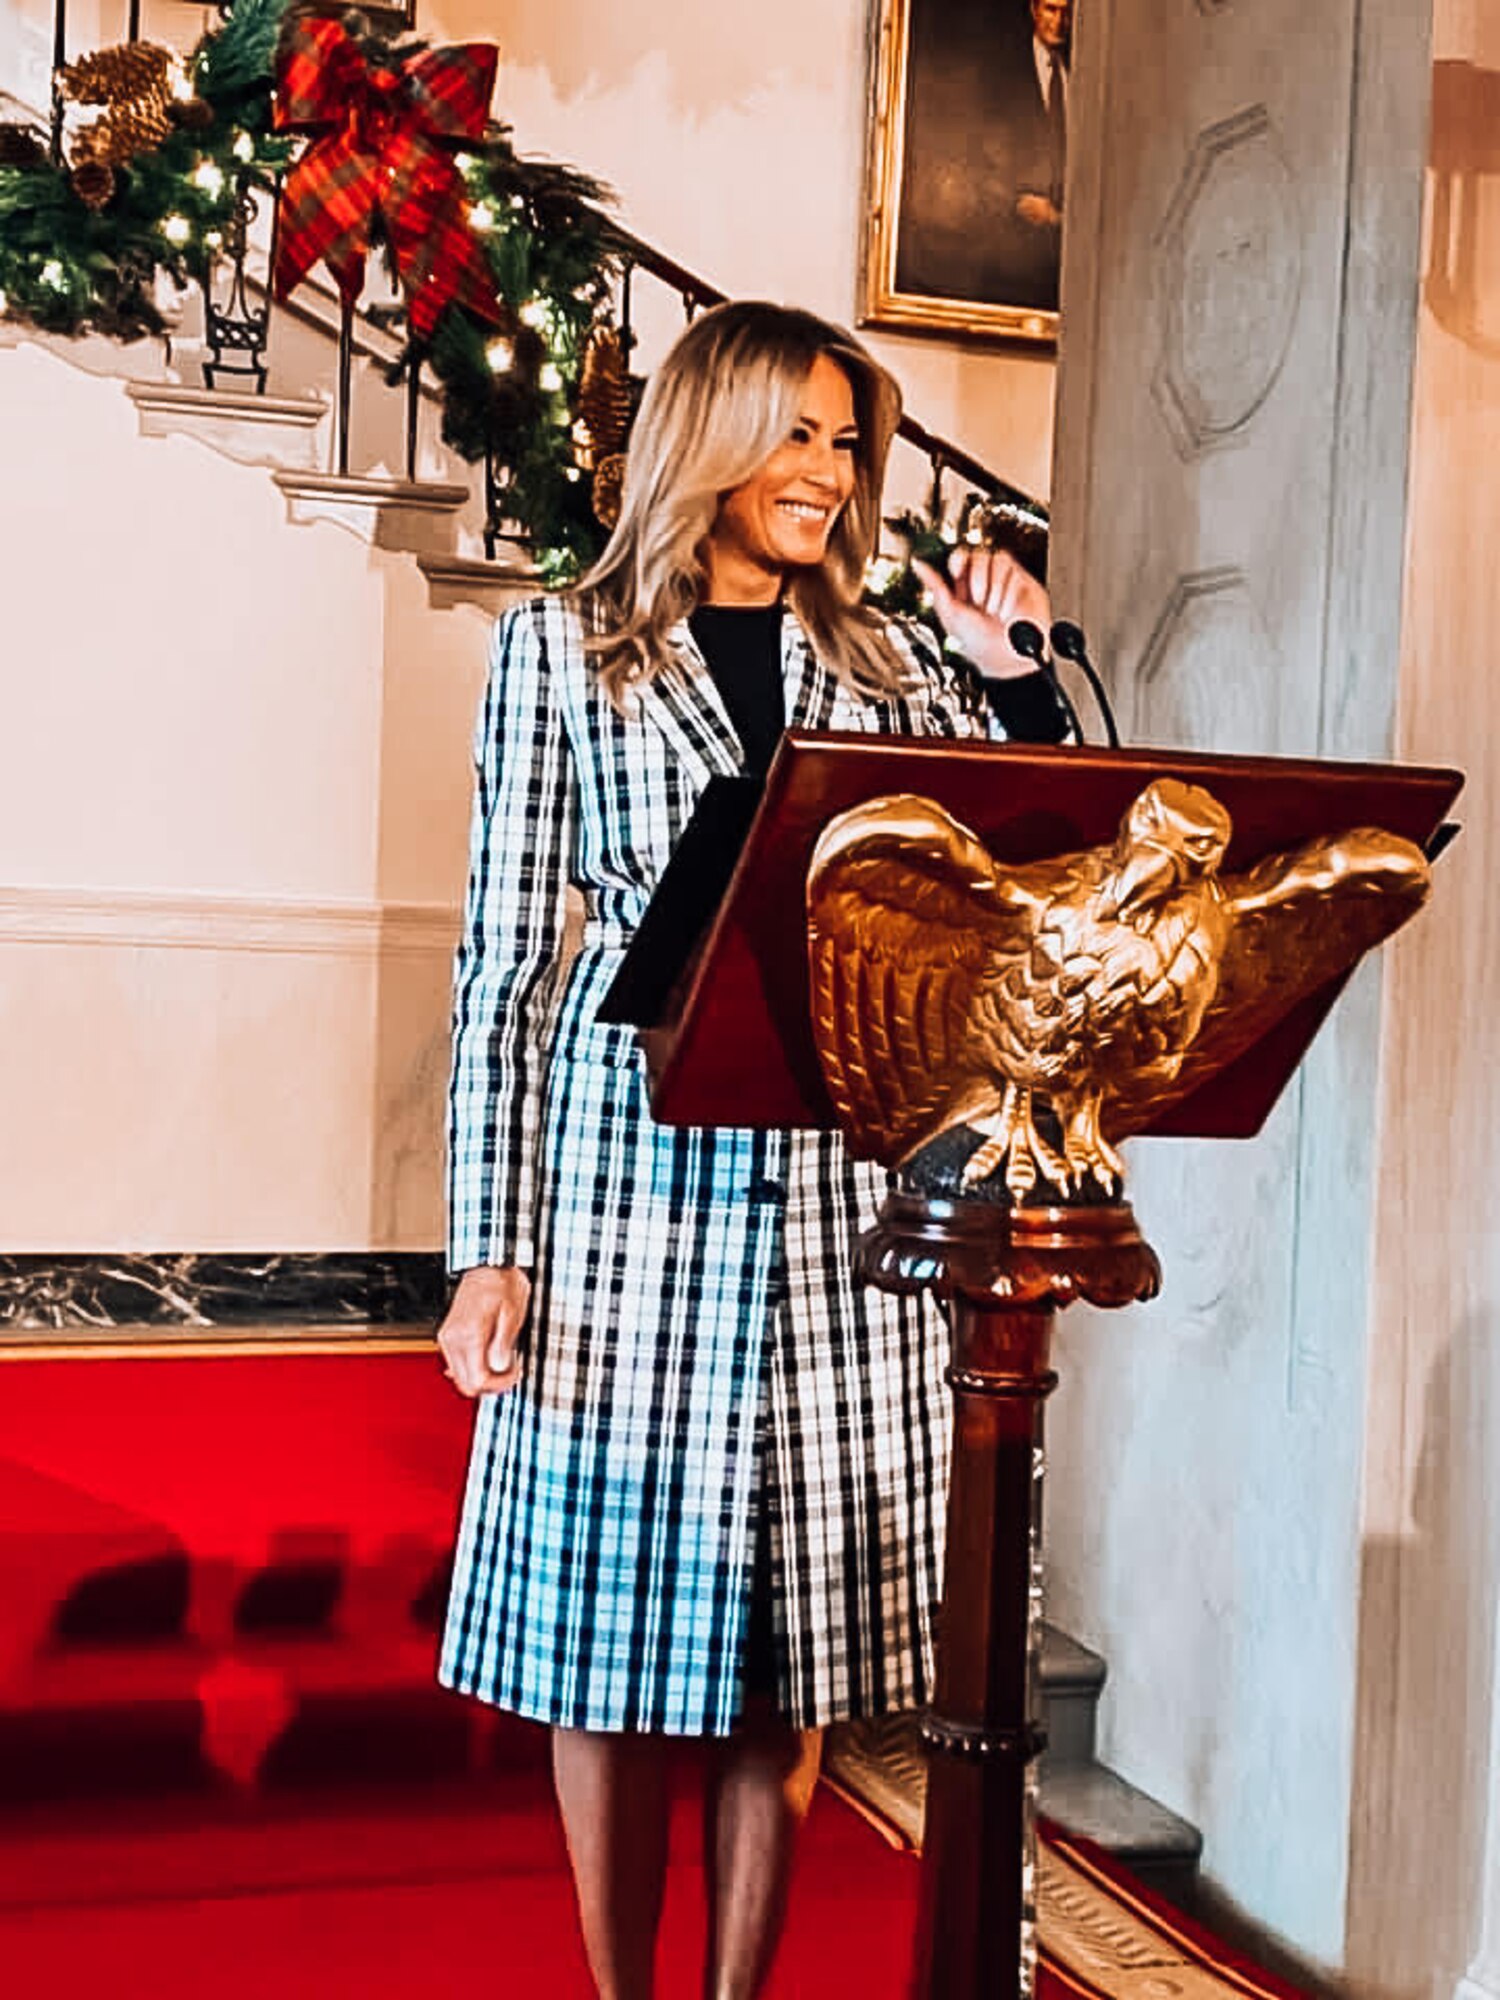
(960, 236)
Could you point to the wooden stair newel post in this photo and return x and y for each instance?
(1000, 1274)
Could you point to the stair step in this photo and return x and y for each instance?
(1157, 1845)
(883, 1763)
(1072, 1677)
(453, 580)
(255, 430)
(409, 514)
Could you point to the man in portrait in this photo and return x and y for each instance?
(981, 198)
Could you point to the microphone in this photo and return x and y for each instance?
(1029, 642)
(1067, 639)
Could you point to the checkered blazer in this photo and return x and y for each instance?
(697, 1347)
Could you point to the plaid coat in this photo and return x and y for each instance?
(697, 1346)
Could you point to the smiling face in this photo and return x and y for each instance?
(781, 517)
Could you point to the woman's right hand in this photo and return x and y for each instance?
(481, 1331)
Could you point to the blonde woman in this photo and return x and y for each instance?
(709, 1469)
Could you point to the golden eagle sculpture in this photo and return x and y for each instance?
(951, 990)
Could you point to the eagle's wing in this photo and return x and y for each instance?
(907, 916)
(1296, 921)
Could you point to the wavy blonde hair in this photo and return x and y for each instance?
(726, 396)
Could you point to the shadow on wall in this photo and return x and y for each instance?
(586, 49)
(1425, 1680)
(1464, 152)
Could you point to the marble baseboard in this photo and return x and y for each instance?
(207, 1290)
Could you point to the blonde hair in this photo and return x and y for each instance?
(725, 397)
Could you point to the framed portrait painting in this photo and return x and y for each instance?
(967, 166)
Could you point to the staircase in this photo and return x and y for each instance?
(882, 1763)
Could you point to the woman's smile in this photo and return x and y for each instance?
(782, 516)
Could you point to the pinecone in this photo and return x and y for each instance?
(604, 400)
(134, 85)
(93, 181)
(20, 147)
(115, 75)
(609, 486)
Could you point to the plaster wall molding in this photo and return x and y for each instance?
(135, 919)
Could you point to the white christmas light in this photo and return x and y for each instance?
(572, 474)
(534, 314)
(177, 229)
(482, 217)
(209, 176)
(500, 354)
(214, 239)
(881, 572)
(54, 275)
(465, 162)
(550, 380)
(517, 202)
(244, 148)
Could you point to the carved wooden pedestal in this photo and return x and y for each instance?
(1001, 1274)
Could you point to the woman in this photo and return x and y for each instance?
(707, 1486)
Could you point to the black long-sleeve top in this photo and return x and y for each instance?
(741, 646)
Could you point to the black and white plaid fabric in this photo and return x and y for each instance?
(697, 1346)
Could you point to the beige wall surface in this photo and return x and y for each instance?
(1234, 415)
(1424, 1895)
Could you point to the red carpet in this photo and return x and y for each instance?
(220, 1582)
(397, 1902)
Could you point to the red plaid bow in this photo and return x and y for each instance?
(383, 153)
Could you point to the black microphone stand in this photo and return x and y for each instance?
(1067, 640)
(1029, 642)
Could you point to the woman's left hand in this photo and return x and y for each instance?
(985, 593)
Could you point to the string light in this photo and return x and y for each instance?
(177, 229)
(465, 162)
(550, 379)
(243, 148)
(54, 275)
(534, 314)
(209, 176)
(500, 353)
(215, 239)
(482, 217)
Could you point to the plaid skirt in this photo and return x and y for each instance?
(699, 1356)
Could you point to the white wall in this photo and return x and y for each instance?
(231, 841)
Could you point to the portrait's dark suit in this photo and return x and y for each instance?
(979, 137)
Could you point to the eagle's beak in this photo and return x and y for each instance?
(1150, 875)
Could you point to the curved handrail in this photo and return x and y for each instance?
(944, 455)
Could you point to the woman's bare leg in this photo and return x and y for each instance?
(616, 1802)
(758, 1792)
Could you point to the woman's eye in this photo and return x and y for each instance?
(849, 444)
(801, 434)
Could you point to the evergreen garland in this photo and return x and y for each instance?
(68, 267)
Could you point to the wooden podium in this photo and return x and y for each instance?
(717, 980)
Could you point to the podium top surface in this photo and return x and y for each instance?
(733, 1044)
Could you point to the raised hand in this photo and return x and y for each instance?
(985, 592)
